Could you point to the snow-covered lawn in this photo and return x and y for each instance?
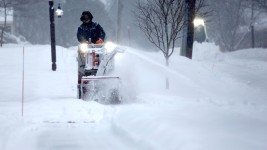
(215, 102)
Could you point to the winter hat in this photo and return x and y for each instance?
(86, 13)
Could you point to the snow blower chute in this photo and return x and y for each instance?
(95, 62)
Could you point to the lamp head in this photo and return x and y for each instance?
(199, 22)
(59, 11)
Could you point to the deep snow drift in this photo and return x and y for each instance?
(215, 101)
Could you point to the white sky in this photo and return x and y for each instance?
(107, 3)
(104, 1)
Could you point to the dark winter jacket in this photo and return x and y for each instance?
(91, 30)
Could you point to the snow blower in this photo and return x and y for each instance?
(95, 63)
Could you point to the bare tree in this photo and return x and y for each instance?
(233, 23)
(254, 8)
(261, 3)
(4, 4)
(161, 21)
(7, 5)
(257, 7)
(229, 23)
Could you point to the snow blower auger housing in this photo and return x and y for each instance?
(95, 62)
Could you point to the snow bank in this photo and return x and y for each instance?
(206, 51)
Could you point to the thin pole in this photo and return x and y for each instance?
(117, 23)
(119, 19)
(252, 26)
(129, 35)
(22, 100)
(52, 34)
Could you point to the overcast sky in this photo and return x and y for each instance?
(106, 2)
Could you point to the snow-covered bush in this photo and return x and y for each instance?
(11, 38)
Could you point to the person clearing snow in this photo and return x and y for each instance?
(89, 31)
(95, 62)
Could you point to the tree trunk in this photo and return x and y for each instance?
(167, 78)
(190, 4)
(4, 26)
(252, 26)
(2, 36)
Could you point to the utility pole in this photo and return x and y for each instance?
(190, 4)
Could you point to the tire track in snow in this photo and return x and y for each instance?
(62, 135)
(137, 143)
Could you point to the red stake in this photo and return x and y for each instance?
(22, 104)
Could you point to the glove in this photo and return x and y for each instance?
(100, 41)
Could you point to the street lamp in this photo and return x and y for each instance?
(59, 13)
(200, 30)
(198, 22)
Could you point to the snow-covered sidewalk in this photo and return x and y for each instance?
(212, 104)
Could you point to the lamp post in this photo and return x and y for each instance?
(59, 13)
(188, 30)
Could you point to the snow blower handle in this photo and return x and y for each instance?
(89, 41)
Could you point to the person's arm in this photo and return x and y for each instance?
(101, 32)
(81, 36)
